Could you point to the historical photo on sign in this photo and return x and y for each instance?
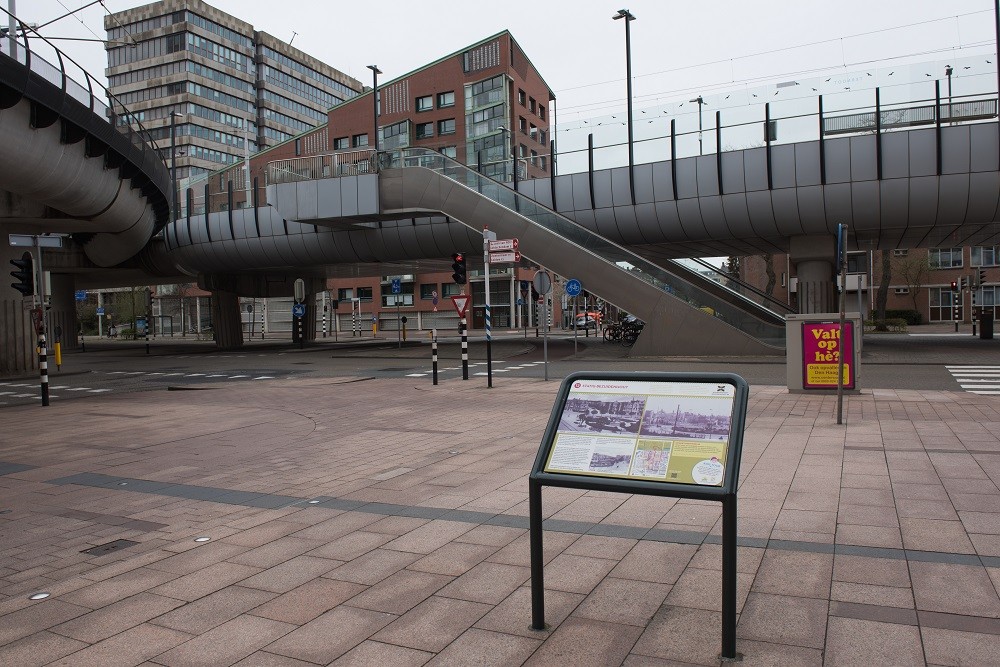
(669, 432)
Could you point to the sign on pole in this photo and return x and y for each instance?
(542, 282)
(502, 257)
(503, 245)
(573, 287)
(298, 310)
(396, 287)
(461, 303)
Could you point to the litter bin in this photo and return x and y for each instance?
(986, 325)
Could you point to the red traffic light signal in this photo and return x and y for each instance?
(25, 274)
(954, 285)
(458, 266)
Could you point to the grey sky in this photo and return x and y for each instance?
(580, 50)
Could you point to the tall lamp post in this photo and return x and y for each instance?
(173, 166)
(627, 15)
(375, 72)
(947, 72)
(700, 102)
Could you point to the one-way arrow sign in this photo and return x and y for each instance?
(461, 303)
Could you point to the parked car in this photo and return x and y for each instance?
(585, 322)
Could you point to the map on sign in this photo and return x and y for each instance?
(502, 245)
(677, 432)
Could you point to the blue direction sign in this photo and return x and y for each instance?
(396, 287)
(81, 295)
(573, 287)
(298, 310)
(100, 310)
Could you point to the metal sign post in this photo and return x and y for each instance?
(397, 288)
(842, 261)
(461, 306)
(573, 289)
(434, 355)
(489, 239)
(543, 285)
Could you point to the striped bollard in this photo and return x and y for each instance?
(43, 368)
(465, 349)
(434, 355)
(489, 349)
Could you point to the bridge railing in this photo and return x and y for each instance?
(41, 58)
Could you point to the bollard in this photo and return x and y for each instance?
(434, 355)
(465, 348)
(43, 368)
(58, 355)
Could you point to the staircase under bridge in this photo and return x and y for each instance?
(685, 313)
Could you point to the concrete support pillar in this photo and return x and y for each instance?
(226, 323)
(62, 316)
(815, 258)
(17, 336)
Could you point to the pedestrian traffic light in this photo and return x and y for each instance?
(954, 285)
(965, 283)
(458, 266)
(25, 274)
(982, 276)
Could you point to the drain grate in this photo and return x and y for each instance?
(110, 547)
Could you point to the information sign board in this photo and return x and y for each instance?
(501, 257)
(396, 287)
(80, 295)
(503, 245)
(821, 349)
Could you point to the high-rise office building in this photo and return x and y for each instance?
(234, 90)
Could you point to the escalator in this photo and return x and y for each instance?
(685, 315)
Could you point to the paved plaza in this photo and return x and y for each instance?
(359, 521)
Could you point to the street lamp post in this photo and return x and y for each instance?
(627, 15)
(947, 72)
(375, 72)
(700, 102)
(173, 166)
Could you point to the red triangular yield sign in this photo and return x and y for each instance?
(461, 303)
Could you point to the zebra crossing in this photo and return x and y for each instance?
(983, 380)
(496, 369)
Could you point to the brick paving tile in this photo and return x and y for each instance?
(869, 536)
(956, 589)
(623, 601)
(205, 581)
(131, 647)
(657, 562)
(576, 574)
(350, 546)
(290, 574)
(795, 573)
(454, 559)
(39, 616)
(265, 659)
(702, 589)
(372, 567)
(117, 588)
(954, 647)
(888, 596)
(485, 648)
(429, 536)
(227, 643)
(487, 582)
(709, 557)
(851, 641)
(935, 535)
(116, 617)
(213, 610)
(276, 552)
(871, 570)
(197, 558)
(987, 523)
(40, 648)
(783, 619)
(433, 624)
(396, 525)
(513, 615)
(369, 653)
(400, 592)
(582, 641)
(330, 635)
(598, 546)
(764, 654)
(336, 526)
(682, 634)
(303, 604)
(518, 552)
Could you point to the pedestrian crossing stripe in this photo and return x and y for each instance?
(982, 380)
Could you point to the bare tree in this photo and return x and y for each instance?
(772, 277)
(913, 272)
(882, 296)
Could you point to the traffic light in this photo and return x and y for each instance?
(458, 266)
(982, 276)
(25, 274)
(965, 283)
(954, 285)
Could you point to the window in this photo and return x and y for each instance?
(542, 163)
(984, 255)
(298, 147)
(365, 293)
(542, 136)
(531, 105)
(541, 111)
(449, 151)
(945, 258)
(520, 97)
(428, 291)
(395, 136)
(451, 289)
(424, 130)
(534, 157)
(345, 294)
(359, 140)
(533, 132)
(446, 126)
(341, 143)
(900, 253)
(446, 99)
(522, 125)
(522, 150)
(425, 103)
(942, 302)
(404, 298)
(902, 290)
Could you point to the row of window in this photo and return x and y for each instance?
(951, 258)
(191, 130)
(405, 297)
(292, 105)
(296, 66)
(485, 93)
(426, 102)
(129, 29)
(288, 121)
(299, 87)
(426, 130)
(277, 135)
(535, 133)
(134, 76)
(344, 143)
(179, 88)
(533, 107)
(220, 54)
(156, 113)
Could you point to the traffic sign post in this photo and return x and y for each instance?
(298, 312)
(543, 285)
(461, 306)
(489, 239)
(397, 288)
(573, 289)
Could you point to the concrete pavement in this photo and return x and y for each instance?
(363, 521)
